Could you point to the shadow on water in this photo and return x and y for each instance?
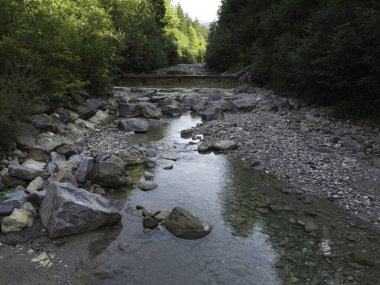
(263, 233)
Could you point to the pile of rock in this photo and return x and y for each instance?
(51, 161)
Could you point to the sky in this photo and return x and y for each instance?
(203, 10)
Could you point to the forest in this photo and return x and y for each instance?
(327, 51)
(50, 49)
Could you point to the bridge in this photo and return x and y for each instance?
(197, 81)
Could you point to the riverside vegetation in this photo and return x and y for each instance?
(49, 50)
(323, 50)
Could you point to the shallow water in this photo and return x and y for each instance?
(259, 234)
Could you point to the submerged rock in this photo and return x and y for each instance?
(150, 222)
(184, 224)
(68, 210)
(161, 216)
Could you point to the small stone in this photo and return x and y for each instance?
(123, 246)
(146, 185)
(36, 185)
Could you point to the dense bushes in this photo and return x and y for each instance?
(50, 48)
(328, 49)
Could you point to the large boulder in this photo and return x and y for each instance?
(43, 122)
(26, 136)
(186, 225)
(100, 117)
(245, 104)
(149, 110)
(128, 110)
(89, 108)
(108, 173)
(68, 210)
(136, 125)
(66, 116)
(198, 105)
(29, 170)
(212, 113)
(175, 109)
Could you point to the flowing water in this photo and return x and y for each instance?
(262, 233)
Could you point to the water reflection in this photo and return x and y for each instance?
(249, 244)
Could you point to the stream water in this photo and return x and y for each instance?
(262, 233)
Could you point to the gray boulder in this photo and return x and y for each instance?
(128, 110)
(245, 104)
(84, 169)
(26, 136)
(174, 109)
(149, 110)
(224, 145)
(68, 210)
(108, 173)
(29, 170)
(198, 105)
(186, 225)
(146, 185)
(136, 125)
(43, 122)
(212, 113)
(66, 116)
(89, 108)
(205, 147)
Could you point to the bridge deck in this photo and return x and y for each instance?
(152, 80)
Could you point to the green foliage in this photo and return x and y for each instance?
(51, 48)
(329, 48)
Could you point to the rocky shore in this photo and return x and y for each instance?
(65, 165)
(305, 146)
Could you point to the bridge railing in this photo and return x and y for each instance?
(166, 80)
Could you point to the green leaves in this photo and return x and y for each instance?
(328, 49)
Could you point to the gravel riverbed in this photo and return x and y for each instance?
(308, 148)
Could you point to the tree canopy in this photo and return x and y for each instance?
(52, 48)
(326, 49)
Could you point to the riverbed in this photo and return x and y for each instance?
(264, 231)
